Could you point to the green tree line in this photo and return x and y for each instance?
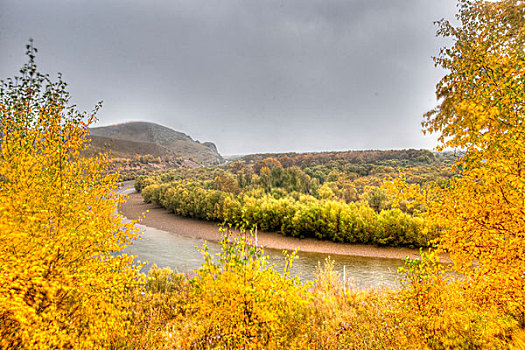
(303, 216)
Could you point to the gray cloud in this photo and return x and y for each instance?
(251, 75)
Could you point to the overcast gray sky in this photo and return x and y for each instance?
(250, 75)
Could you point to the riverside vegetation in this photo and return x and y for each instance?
(64, 285)
(330, 196)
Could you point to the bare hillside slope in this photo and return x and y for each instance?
(146, 134)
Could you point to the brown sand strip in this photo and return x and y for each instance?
(162, 219)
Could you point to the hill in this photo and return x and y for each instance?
(128, 149)
(141, 138)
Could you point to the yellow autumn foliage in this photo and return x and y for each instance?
(482, 113)
(63, 283)
(239, 300)
(480, 212)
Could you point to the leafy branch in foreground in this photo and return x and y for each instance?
(481, 212)
(62, 283)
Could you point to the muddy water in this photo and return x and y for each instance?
(183, 253)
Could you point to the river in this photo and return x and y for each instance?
(180, 252)
(167, 249)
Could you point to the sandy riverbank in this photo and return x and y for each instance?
(162, 219)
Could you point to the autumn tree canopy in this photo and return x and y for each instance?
(481, 113)
(62, 282)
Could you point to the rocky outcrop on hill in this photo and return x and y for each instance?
(143, 137)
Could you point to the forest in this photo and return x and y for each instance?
(334, 196)
(65, 282)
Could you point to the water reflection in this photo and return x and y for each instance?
(183, 253)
